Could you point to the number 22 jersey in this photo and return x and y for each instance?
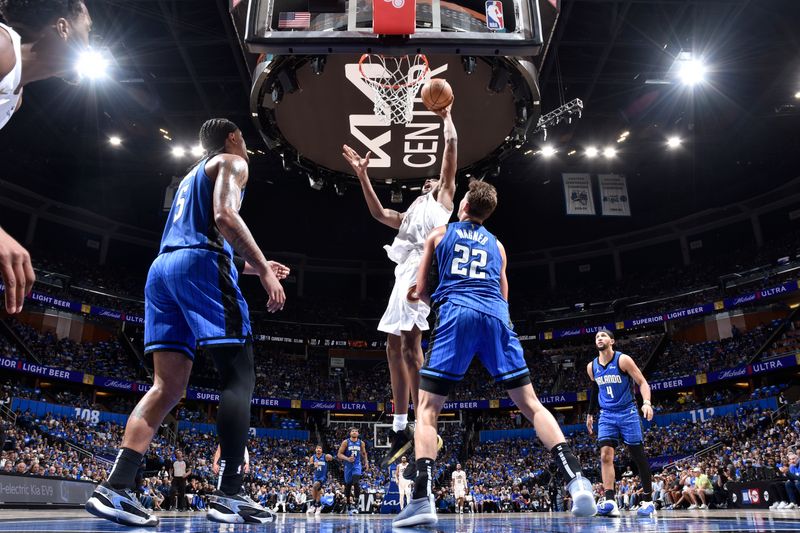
(470, 266)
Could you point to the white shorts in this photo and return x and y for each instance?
(459, 492)
(404, 488)
(402, 315)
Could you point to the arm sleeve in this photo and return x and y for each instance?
(593, 397)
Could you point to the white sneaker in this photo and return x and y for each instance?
(792, 506)
(692, 507)
(774, 506)
(783, 505)
(703, 507)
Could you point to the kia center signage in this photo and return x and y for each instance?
(307, 111)
(32, 491)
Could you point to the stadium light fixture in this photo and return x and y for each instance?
(197, 151)
(692, 72)
(609, 152)
(592, 152)
(114, 141)
(548, 151)
(797, 95)
(92, 65)
(674, 142)
(178, 152)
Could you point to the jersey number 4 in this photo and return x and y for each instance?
(476, 259)
(610, 391)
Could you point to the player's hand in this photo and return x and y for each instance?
(647, 412)
(589, 424)
(277, 298)
(215, 468)
(247, 468)
(412, 295)
(445, 111)
(16, 271)
(351, 459)
(358, 163)
(281, 271)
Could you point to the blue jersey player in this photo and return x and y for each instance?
(353, 453)
(319, 462)
(613, 375)
(192, 300)
(471, 304)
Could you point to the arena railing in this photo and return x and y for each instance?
(701, 453)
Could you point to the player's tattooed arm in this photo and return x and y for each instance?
(447, 176)
(390, 217)
(231, 178)
(232, 174)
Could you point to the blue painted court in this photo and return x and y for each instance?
(717, 521)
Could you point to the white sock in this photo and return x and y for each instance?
(399, 422)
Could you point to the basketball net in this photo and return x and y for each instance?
(395, 81)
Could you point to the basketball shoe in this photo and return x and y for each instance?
(120, 506)
(239, 509)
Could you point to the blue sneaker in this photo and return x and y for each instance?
(607, 508)
(647, 509)
(419, 512)
(580, 489)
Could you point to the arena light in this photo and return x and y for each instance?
(92, 65)
(114, 141)
(197, 151)
(797, 95)
(548, 151)
(178, 152)
(609, 152)
(692, 72)
(592, 152)
(674, 142)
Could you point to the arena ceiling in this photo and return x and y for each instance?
(177, 63)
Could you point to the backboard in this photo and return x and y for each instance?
(464, 27)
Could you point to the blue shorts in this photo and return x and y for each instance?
(349, 473)
(320, 480)
(192, 299)
(616, 426)
(459, 334)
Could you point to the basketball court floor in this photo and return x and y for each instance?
(68, 521)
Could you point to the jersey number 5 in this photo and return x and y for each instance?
(181, 202)
(475, 258)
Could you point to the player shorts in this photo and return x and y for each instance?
(191, 299)
(615, 426)
(350, 474)
(401, 314)
(320, 480)
(459, 334)
(459, 493)
(404, 487)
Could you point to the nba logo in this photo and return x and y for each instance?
(494, 15)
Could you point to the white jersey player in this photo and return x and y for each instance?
(406, 317)
(403, 485)
(459, 487)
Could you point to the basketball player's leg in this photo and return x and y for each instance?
(608, 436)
(411, 349)
(633, 436)
(398, 375)
(501, 353)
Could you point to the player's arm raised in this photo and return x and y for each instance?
(431, 242)
(592, 399)
(390, 217)
(503, 277)
(447, 176)
(627, 364)
(231, 177)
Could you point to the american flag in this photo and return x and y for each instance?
(294, 19)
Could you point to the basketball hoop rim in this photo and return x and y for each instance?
(390, 86)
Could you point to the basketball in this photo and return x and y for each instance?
(437, 94)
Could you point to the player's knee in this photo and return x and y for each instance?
(607, 455)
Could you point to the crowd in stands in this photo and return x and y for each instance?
(682, 358)
(788, 343)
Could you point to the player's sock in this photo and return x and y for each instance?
(422, 485)
(123, 474)
(237, 377)
(400, 422)
(568, 464)
(610, 495)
